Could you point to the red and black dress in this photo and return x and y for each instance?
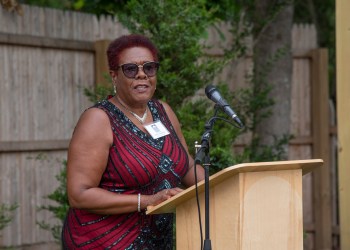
(137, 163)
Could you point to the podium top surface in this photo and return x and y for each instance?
(169, 205)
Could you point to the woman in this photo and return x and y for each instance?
(126, 153)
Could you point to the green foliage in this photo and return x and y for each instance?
(63, 4)
(98, 93)
(6, 213)
(60, 207)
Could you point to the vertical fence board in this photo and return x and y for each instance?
(101, 64)
(321, 149)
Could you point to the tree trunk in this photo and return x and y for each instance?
(274, 36)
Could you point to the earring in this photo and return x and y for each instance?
(115, 89)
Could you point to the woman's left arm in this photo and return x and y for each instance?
(189, 178)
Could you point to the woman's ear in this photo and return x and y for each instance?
(113, 74)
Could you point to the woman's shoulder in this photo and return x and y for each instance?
(94, 116)
(104, 104)
(100, 108)
(161, 104)
(93, 125)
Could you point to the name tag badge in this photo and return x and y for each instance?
(156, 129)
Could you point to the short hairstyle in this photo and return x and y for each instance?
(116, 47)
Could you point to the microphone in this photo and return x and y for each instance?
(214, 95)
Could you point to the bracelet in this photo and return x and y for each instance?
(139, 202)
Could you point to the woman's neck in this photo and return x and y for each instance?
(139, 111)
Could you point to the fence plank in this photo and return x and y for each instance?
(35, 145)
(45, 42)
(101, 63)
(321, 149)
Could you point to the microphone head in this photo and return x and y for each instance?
(214, 95)
(209, 91)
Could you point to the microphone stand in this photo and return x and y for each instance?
(202, 157)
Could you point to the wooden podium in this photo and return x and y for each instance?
(252, 206)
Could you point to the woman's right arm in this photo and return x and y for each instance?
(87, 160)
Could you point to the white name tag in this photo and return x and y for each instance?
(156, 129)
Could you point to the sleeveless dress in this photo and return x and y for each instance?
(137, 163)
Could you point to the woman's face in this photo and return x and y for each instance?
(139, 90)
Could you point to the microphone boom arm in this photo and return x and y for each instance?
(204, 148)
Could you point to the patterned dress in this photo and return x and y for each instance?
(137, 163)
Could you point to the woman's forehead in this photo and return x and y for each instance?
(135, 55)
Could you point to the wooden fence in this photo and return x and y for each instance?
(48, 56)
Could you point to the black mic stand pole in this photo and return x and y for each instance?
(203, 157)
(207, 241)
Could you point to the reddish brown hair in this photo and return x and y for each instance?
(126, 42)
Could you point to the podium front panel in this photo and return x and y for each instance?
(249, 211)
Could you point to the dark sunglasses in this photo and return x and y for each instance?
(130, 70)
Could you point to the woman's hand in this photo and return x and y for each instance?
(155, 199)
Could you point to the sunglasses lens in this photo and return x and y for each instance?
(130, 70)
(150, 68)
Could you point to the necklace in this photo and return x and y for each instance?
(140, 119)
